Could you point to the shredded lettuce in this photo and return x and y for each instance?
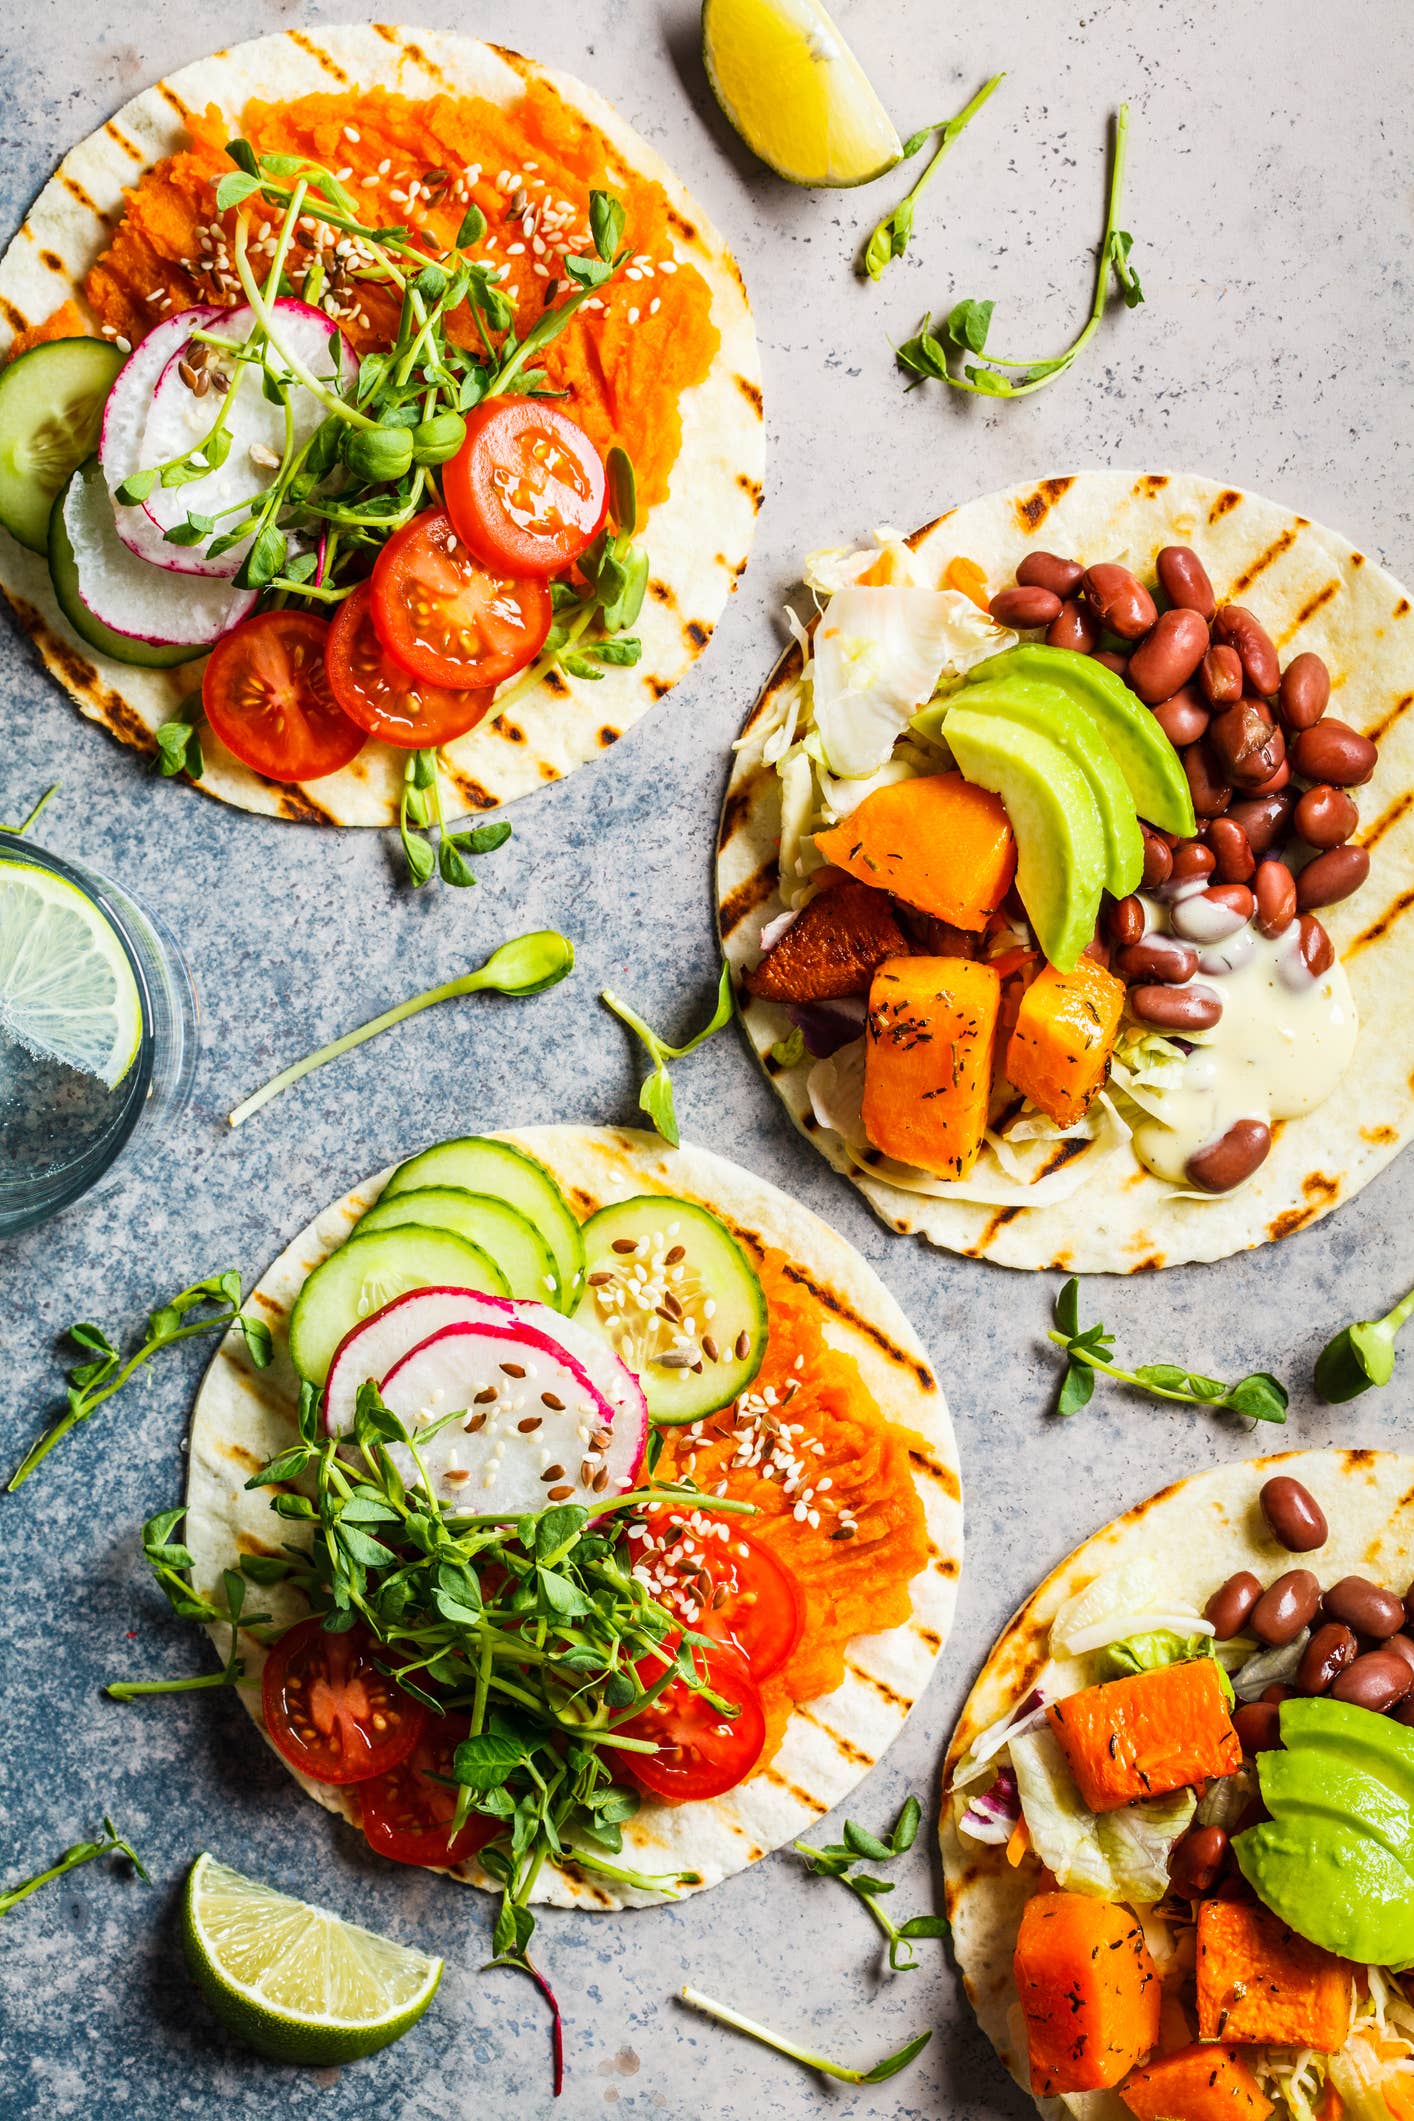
(834, 567)
(1121, 1855)
(1121, 1602)
(879, 652)
(990, 1742)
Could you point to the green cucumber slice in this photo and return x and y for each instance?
(476, 1164)
(64, 574)
(368, 1271)
(510, 1238)
(634, 1277)
(51, 409)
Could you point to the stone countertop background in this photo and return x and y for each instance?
(1270, 197)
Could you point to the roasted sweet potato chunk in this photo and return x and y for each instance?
(1058, 1055)
(929, 1039)
(1197, 2083)
(936, 841)
(1258, 1982)
(1088, 1990)
(832, 948)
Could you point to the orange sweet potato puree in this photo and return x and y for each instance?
(625, 368)
(853, 1586)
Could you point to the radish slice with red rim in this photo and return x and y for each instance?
(125, 421)
(130, 597)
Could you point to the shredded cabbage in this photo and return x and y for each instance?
(1122, 1601)
(834, 567)
(990, 1742)
(1121, 1855)
(879, 653)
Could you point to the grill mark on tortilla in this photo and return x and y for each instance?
(52, 262)
(1400, 707)
(1401, 609)
(847, 1314)
(851, 1751)
(15, 318)
(299, 807)
(608, 735)
(271, 1304)
(916, 537)
(659, 687)
(1153, 482)
(995, 1225)
(1393, 912)
(1064, 1151)
(944, 1475)
(1388, 819)
(812, 1804)
(736, 809)
(1150, 1265)
(1309, 609)
(751, 486)
(128, 146)
(1283, 542)
(663, 592)
(1316, 1186)
(318, 54)
(1379, 1134)
(512, 731)
(1291, 1220)
(170, 97)
(752, 893)
(880, 1686)
(109, 707)
(548, 772)
(247, 1543)
(750, 391)
(239, 1455)
(1226, 501)
(469, 790)
(698, 633)
(76, 191)
(1032, 512)
(787, 671)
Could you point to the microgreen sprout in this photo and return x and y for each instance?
(526, 965)
(656, 1095)
(926, 356)
(1260, 1396)
(890, 238)
(169, 1561)
(419, 808)
(879, 2074)
(1361, 1355)
(837, 1860)
(20, 830)
(789, 1052)
(112, 1844)
(105, 1370)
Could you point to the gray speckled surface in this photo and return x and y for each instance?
(1270, 200)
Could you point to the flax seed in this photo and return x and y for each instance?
(513, 1369)
(743, 1345)
(625, 1244)
(599, 1280)
(560, 1494)
(553, 1473)
(531, 1422)
(476, 1421)
(548, 1399)
(846, 1531)
(709, 1348)
(484, 1399)
(601, 1480)
(586, 1472)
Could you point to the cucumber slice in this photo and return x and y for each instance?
(476, 1164)
(64, 574)
(367, 1272)
(51, 409)
(647, 1255)
(510, 1238)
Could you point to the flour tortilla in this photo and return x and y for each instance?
(243, 1416)
(1311, 590)
(697, 539)
(1197, 1533)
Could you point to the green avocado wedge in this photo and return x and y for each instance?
(1053, 713)
(1060, 842)
(1142, 752)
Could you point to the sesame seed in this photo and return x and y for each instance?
(667, 265)
(385, 165)
(351, 134)
(654, 306)
(633, 316)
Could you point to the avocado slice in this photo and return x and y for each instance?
(1142, 752)
(1046, 708)
(1060, 867)
(1339, 1887)
(1317, 1785)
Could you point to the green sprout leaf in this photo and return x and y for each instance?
(879, 2074)
(890, 239)
(656, 1095)
(1258, 1397)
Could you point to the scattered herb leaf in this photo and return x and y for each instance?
(1260, 1396)
(837, 1858)
(656, 1096)
(112, 1844)
(1361, 1355)
(890, 238)
(879, 2074)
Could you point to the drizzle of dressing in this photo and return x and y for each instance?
(1280, 1047)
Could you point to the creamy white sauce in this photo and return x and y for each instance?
(1280, 1047)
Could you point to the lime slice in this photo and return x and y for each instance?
(66, 987)
(293, 1981)
(793, 89)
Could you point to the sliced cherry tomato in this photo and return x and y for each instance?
(527, 489)
(702, 1753)
(407, 1813)
(375, 690)
(732, 1588)
(267, 696)
(330, 1710)
(447, 618)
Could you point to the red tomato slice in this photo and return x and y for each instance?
(375, 690)
(267, 696)
(407, 1813)
(447, 618)
(748, 1597)
(527, 489)
(702, 1753)
(330, 1710)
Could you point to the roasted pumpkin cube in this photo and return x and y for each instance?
(831, 948)
(937, 842)
(1258, 1982)
(928, 1047)
(1088, 1990)
(1058, 1054)
(1143, 1736)
(1197, 2083)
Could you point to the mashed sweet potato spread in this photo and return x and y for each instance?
(625, 360)
(829, 1476)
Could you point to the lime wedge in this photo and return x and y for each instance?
(293, 1981)
(67, 990)
(793, 89)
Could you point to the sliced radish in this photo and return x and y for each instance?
(130, 597)
(177, 419)
(125, 419)
(526, 1429)
(374, 1347)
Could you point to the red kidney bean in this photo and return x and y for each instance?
(1184, 580)
(1332, 751)
(1047, 570)
(1277, 1692)
(1331, 877)
(1409, 1606)
(1158, 860)
(1404, 1713)
(1305, 691)
(1231, 1159)
(1024, 608)
(1195, 1860)
(1317, 949)
(1119, 600)
(1246, 746)
(1258, 1726)
(1183, 718)
(1126, 920)
(1294, 1517)
(1329, 1651)
(1207, 784)
(1367, 1607)
(1157, 957)
(1236, 897)
(1263, 818)
(1285, 1608)
(1231, 1603)
(1232, 850)
(1274, 890)
(1277, 782)
(1192, 859)
(1325, 816)
(1195, 1008)
(1168, 655)
(1242, 630)
(1073, 628)
(1220, 676)
(1401, 1646)
(1117, 663)
(1375, 1681)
